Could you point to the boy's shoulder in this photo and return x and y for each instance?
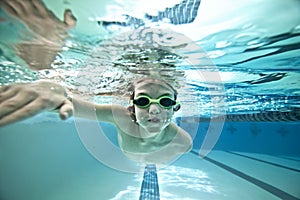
(182, 137)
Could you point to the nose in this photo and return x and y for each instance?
(154, 109)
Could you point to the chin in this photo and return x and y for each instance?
(153, 129)
(156, 128)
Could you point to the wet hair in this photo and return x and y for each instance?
(131, 90)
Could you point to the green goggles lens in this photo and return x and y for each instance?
(145, 101)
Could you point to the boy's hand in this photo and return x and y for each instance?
(21, 101)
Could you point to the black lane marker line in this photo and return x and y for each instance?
(271, 163)
(270, 188)
(150, 188)
(288, 158)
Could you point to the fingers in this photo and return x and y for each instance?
(24, 112)
(13, 113)
(4, 88)
(22, 7)
(11, 101)
(69, 19)
(66, 110)
(27, 10)
(21, 101)
(40, 7)
(6, 93)
(17, 8)
(40, 10)
(10, 8)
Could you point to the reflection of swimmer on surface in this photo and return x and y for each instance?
(48, 32)
(146, 132)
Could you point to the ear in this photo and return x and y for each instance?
(132, 113)
(177, 107)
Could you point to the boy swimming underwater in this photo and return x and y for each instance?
(146, 132)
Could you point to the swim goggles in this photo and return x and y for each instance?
(145, 101)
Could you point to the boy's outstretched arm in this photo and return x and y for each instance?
(21, 101)
(111, 113)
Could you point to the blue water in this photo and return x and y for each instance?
(48, 160)
(250, 65)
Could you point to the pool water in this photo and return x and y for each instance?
(243, 63)
(47, 160)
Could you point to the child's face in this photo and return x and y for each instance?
(153, 118)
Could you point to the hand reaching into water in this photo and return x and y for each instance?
(48, 31)
(21, 101)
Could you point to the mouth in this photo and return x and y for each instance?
(154, 120)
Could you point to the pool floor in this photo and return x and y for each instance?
(48, 161)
